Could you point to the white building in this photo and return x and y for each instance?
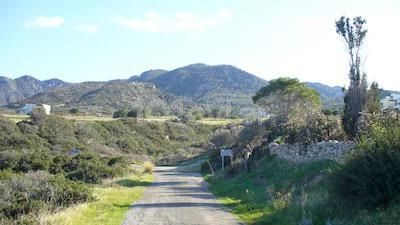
(390, 102)
(47, 108)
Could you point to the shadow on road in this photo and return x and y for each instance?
(131, 183)
(177, 205)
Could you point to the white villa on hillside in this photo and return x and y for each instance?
(390, 102)
(28, 108)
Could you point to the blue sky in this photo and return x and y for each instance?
(79, 40)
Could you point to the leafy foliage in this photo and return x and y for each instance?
(370, 177)
(32, 192)
(286, 96)
(120, 113)
(38, 115)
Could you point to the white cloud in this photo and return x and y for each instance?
(152, 22)
(87, 28)
(45, 22)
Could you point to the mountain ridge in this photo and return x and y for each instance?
(200, 85)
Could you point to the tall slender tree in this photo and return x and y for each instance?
(353, 32)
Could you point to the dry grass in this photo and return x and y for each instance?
(219, 121)
(16, 117)
(148, 167)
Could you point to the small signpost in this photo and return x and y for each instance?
(223, 153)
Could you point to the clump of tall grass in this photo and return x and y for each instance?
(148, 167)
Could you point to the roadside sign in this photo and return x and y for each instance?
(223, 153)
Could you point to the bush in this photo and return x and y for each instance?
(133, 113)
(74, 111)
(89, 168)
(370, 177)
(34, 192)
(120, 113)
(148, 167)
(38, 115)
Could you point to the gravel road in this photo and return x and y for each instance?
(178, 198)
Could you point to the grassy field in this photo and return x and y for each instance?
(219, 121)
(16, 118)
(282, 193)
(209, 121)
(113, 200)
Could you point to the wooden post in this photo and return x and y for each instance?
(212, 170)
(222, 157)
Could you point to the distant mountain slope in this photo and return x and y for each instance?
(331, 97)
(12, 90)
(214, 85)
(148, 75)
(192, 87)
(105, 97)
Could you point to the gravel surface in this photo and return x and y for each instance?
(178, 198)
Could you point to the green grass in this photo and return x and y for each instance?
(16, 118)
(218, 121)
(113, 200)
(273, 193)
(209, 121)
(284, 193)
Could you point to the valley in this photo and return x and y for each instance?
(137, 112)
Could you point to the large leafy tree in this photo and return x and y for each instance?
(353, 32)
(286, 97)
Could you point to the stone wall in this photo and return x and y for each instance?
(332, 150)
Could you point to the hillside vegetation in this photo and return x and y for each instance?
(51, 162)
(200, 89)
(105, 98)
(360, 188)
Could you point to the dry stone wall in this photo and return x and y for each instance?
(332, 150)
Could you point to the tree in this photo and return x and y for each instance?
(120, 113)
(133, 113)
(38, 115)
(353, 33)
(287, 97)
(373, 104)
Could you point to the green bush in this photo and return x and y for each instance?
(133, 113)
(34, 192)
(89, 168)
(120, 113)
(38, 115)
(371, 176)
(74, 111)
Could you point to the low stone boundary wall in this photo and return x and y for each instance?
(332, 150)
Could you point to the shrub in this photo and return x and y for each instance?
(120, 113)
(37, 191)
(74, 111)
(186, 118)
(89, 168)
(226, 137)
(148, 167)
(59, 132)
(38, 115)
(133, 113)
(370, 177)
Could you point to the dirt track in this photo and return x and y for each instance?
(178, 198)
